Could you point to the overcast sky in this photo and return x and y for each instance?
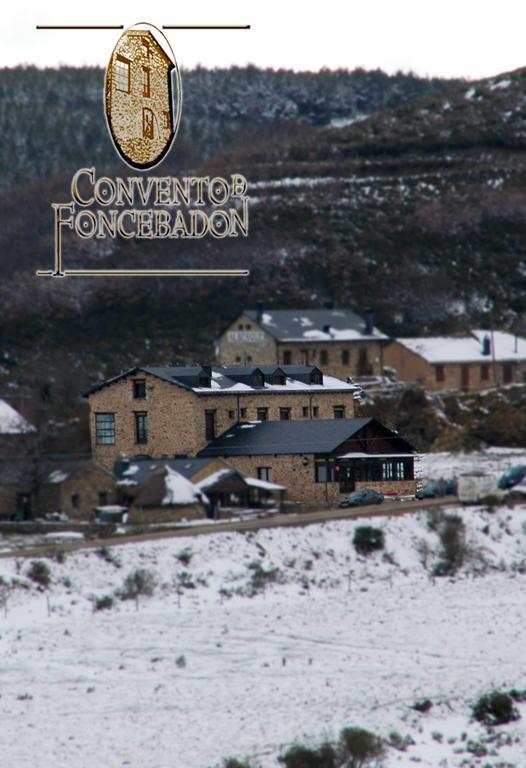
(448, 38)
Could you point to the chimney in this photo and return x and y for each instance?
(259, 311)
(486, 346)
(368, 317)
(326, 329)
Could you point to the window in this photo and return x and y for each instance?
(287, 357)
(324, 357)
(103, 498)
(75, 500)
(139, 389)
(105, 428)
(284, 414)
(231, 414)
(122, 74)
(305, 411)
(257, 379)
(400, 470)
(23, 505)
(262, 414)
(316, 377)
(167, 121)
(147, 123)
(507, 373)
(387, 471)
(146, 82)
(345, 357)
(439, 372)
(324, 470)
(265, 473)
(279, 378)
(240, 327)
(304, 356)
(141, 427)
(339, 411)
(484, 372)
(203, 381)
(210, 425)
(243, 413)
(315, 410)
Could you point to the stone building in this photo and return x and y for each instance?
(336, 340)
(478, 360)
(320, 461)
(139, 98)
(143, 489)
(31, 488)
(165, 412)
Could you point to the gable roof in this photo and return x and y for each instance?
(311, 325)
(137, 471)
(293, 437)
(12, 422)
(168, 488)
(227, 379)
(468, 348)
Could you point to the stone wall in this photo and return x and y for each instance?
(244, 342)
(175, 514)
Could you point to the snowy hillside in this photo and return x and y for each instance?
(252, 642)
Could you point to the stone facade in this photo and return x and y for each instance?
(297, 473)
(172, 514)
(176, 417)
(244, 342)
(26, 488)
(469, 376)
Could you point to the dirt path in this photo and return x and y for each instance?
(393, 509)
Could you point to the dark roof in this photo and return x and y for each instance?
(220, 378)
(311, 324)
(289, 437)
(137, 471)
(44, 471)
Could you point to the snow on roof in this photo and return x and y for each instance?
(212, 479)
(57, 476)
(222, 383)
(467, 349)
(264, 484)
(314, 325)
(179, 490)
(11, 422)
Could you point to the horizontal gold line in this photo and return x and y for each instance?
(64, 26)
(206, 26)
(145, 273)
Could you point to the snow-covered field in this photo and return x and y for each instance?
(231, 657)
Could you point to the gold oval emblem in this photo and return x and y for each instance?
(139, 96)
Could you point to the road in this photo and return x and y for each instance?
(391, 508)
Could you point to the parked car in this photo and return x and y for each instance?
(362, 498)
(512, 477)
(437, 488)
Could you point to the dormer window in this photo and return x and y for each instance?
(317, 377)
(204, 381)
(279, 379)
(257, 379)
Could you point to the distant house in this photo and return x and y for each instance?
(478, 360)
(152, 494)
(338, 341)
(171, 411)
(14, 431)
(69, 487)
(321, 460)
